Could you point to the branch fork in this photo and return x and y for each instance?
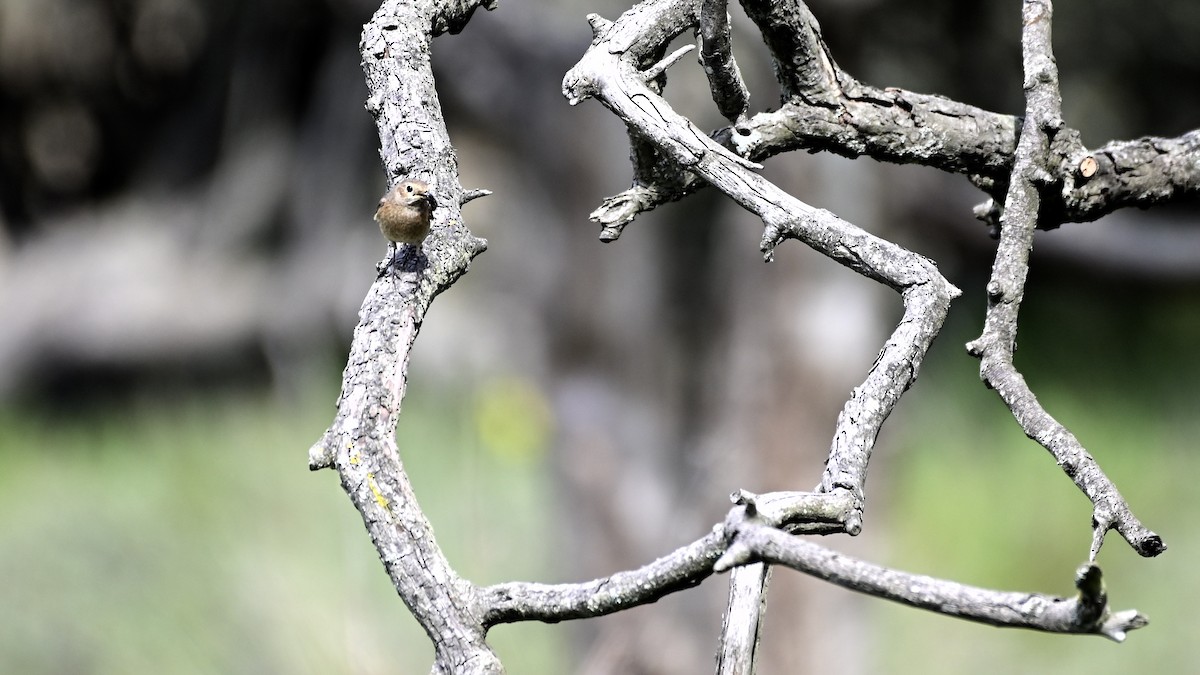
(1021, 215)
(824, 108)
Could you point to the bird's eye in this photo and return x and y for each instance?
(408, 188)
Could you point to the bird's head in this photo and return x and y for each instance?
(415, 193)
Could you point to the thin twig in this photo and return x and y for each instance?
(684, 568)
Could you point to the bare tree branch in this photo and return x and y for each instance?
(724, 78)
(608, 71)
(749, 535)
(520, 601)
(360, 444)
(741, 628)
(1139, 173)
(683, 568)
(826, 109)
(625, 69)
(802, 63)
(1086, 613)
(1006, 289)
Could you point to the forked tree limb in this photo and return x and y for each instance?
(625, 69)
(749, 535)
(1086, 613)
(1032, 170)
(610, 72)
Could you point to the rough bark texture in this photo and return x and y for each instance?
(1032, 170)
(826, 109)
(1036, 165)
(360, 444)
(740, 631)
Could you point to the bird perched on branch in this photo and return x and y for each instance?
(403, 215)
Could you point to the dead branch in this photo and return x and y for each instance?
(625, 69)
(826, 109)
(1086, 613)
(1035, 155)
(360, 444)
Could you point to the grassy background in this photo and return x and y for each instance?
(186, 536)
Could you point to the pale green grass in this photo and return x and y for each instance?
(977, 502)
(189, 537)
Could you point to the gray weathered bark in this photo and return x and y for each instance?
(1037, 164)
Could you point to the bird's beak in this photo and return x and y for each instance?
(432, 201)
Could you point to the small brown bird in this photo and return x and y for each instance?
(403, 214)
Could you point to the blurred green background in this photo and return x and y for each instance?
(184, 534)
(186, 197)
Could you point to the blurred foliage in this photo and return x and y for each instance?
(513, 418)
(977, 502)
(188, 536)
